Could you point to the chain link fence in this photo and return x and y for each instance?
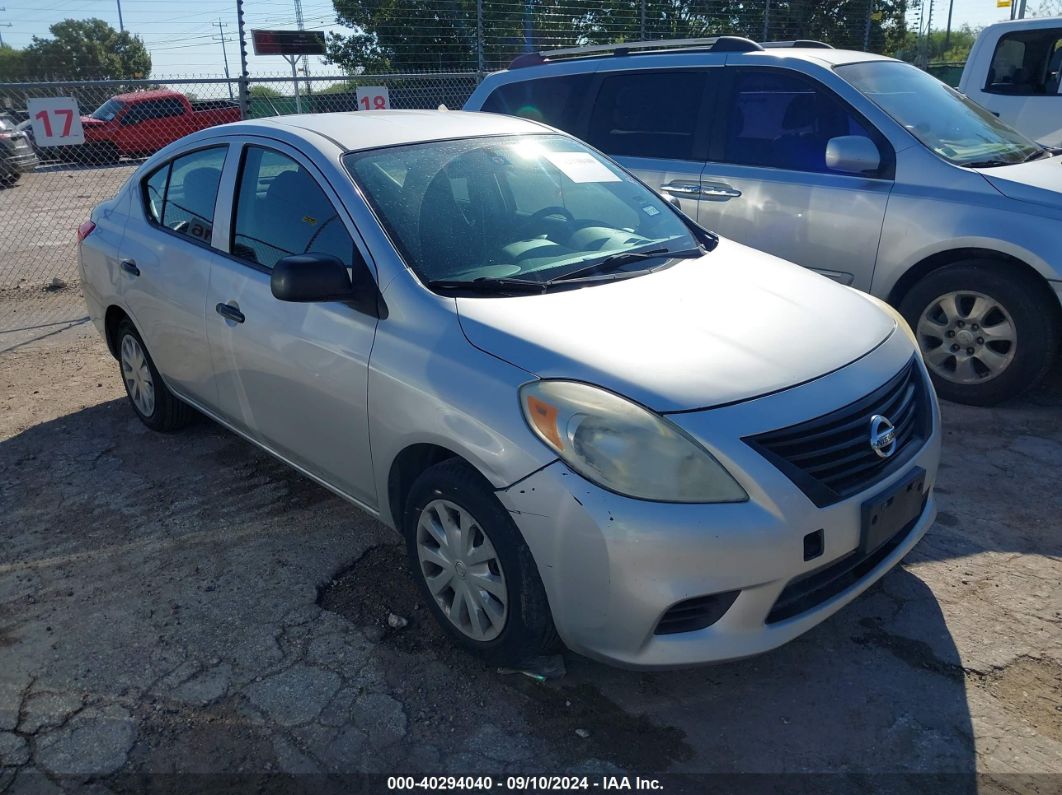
(46, 192)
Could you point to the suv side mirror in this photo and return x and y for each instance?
(853, 154)
(308, 278)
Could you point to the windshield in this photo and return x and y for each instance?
(108, 110)
(952, 126)
(529, 207)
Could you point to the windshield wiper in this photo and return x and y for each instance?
(1037, 155)
(988, 163)
(616, 261)
(488, 285)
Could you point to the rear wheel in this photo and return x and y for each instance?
(473, 567)
(987, 335)
(153, 403)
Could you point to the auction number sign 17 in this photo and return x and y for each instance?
(56, 121)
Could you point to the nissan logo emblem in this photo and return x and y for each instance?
(882, 436)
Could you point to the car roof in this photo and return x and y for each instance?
(371, 129)
(141, 96)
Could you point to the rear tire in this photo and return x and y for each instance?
(458, 503)
(153, 403)
(988, 332)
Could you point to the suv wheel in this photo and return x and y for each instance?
(153, 403)
(473, 567)
(986, 335)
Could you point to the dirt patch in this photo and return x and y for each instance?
(379, 583)
(1029, 688)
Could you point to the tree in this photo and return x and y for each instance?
(412, 35)
(12, 66)
(87, 49)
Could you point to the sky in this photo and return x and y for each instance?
(182, 36)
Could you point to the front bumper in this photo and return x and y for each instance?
(20, 162)
(612, 566)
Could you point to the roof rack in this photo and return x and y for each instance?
(714, 44)
(810, 44)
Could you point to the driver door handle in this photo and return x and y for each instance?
(229, 312)
(701, 191)
(129, 266)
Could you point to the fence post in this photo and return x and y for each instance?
(641, 29)
(866, 29)
(479, 36)
(244, 77)
(766, 20)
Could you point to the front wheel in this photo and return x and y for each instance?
(473, 568)
(987, 334)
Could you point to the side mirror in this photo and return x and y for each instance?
(853, 154)
(307, 278)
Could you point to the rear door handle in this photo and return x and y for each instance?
(718, 192)
(129, 266)
(229, 312)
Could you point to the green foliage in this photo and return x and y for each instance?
(932, 48)
(414, 35)
(86, 49)
(11, 63)
(264, 92)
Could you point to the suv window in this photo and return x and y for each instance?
(779, 120)
(554, 100)
(180, 195)
(281, 210)
(647, 114)
(1026, 63)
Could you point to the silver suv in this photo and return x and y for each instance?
(860, 167)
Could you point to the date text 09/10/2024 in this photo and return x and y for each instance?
(523, 783)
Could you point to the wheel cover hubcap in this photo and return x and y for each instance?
(137, 376)
(966, 337)
(462, 570)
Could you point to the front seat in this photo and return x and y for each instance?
(1054, 68)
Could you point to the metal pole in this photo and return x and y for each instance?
(1021, 9)
(244, 93)
(121, 25)
(293, 59)
(766, 20)
(947, 34)
(479, 36)
(866, 29)
(641, 29)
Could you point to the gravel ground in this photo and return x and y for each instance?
(184, 604)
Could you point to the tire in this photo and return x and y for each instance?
(943, 309)
(527, 629)
(164, 412)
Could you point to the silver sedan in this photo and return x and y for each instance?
(593, 421)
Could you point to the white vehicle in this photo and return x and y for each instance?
(1013, 70)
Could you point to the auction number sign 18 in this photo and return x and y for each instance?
(56, 121)
(373, 98)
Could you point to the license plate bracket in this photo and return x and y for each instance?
(885, 514)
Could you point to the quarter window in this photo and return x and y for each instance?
(555, 100)
(781, 121)
(1026, 63)
(649, 114)
(281, 210)
(181, 194)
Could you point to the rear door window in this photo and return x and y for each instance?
(554, 100)
(648, 114)
(1026, 63)
(281, 210)
(180, 195)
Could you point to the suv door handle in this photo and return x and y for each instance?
(129, 266)
(687, 189)
(229, 312)
(718, 192)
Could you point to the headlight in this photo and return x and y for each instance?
(623, 447)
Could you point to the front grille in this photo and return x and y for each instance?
(696, 613)
(830, 457)
(811, 590)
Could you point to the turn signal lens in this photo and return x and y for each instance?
(85, 230)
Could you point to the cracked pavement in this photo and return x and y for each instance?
(160, 613)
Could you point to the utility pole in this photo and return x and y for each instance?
(221, 37)
(121, 25)
(300, 23)
(4, 25)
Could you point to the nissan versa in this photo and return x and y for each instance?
(593, 421)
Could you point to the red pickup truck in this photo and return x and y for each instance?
(143, 122)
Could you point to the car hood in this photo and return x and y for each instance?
(731, 325)
(1038, 182)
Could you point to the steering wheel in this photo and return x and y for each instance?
(548, 212)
